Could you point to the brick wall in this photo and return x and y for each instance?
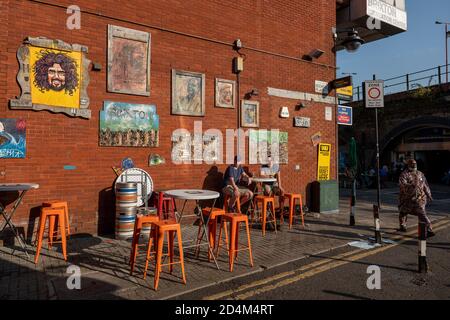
(291, 28)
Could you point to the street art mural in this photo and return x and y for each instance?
(53, 76)
(129, 125)
(12, 138)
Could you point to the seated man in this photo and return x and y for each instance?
(273, 171)
(231, 179)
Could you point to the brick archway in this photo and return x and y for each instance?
(422, 122)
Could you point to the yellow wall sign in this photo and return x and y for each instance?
(323, 165)
(346, 91)
(55, 77)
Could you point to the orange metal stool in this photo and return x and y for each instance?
(292, 197)
(57, 204)
(233, 246)
(212, 227)
(266, 200)
(166, 207)
(171, 227)
(51, 213)
(140, 221)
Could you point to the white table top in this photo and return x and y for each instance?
(18, 186)
(192, 194)
(264, 179)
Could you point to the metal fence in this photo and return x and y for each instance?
(410, 81)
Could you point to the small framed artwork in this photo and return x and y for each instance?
(188, 93)
(129, 61)
(225, 93)
(249, 114)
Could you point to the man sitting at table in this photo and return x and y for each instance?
(272, 170)
(232, 178)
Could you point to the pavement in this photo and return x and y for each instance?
(103, 262)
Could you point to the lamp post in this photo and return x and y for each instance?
(352, 42)
(447, 35)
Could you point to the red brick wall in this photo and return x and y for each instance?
(290, 28)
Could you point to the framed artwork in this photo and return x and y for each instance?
(268, 143)
(225, 93)
(249, 114)
(12, 138)
(128, 125)
(188, 93)
(129, 59)
(53, 76)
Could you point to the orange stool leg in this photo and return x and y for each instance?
(232, 245)
(249, 243)
(264, 217)
(152, 238)
(62, 221)
(180, 248)
(291, 210)
(159, 253)
(301, 211)
(171, 241)
(51, 230)
(40, 236)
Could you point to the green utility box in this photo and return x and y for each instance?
(325, 196)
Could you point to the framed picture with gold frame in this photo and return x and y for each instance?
(249, 114)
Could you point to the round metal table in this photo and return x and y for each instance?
(196, 195)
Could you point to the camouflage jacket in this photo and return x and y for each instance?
(414, 191)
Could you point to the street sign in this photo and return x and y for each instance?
(302, 122)
(374, 93)
(342, 82)
(322, 87)
(345, 93)
(345, 116)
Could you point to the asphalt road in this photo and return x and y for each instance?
(343, 274)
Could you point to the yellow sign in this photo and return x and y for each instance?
(347, 91)
(55, 77)
(323, 165)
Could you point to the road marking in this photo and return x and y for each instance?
(315, 268)
(276, 277)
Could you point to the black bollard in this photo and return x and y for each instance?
(376, 217)
(423, 265)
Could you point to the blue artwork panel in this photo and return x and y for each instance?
(12, 138)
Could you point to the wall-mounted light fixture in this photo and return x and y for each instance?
(300, 105)
(252, 93)
(96, 66)
(352, 42)
(314, 54)
(237, 45)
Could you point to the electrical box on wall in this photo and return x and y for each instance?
(238, 64)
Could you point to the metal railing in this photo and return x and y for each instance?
(411, 81)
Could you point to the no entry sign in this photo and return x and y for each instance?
(374, 93)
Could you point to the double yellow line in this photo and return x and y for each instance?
(268, 284)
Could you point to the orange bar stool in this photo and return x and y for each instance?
(212, 227)
(166, 207)
(266, 201)
(162, 227)
(292, 197)
(57, 204)
(140, 222)
(51, 213)
(233, 244)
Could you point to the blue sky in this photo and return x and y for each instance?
(421, 47)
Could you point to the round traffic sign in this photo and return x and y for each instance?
(374, 93)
